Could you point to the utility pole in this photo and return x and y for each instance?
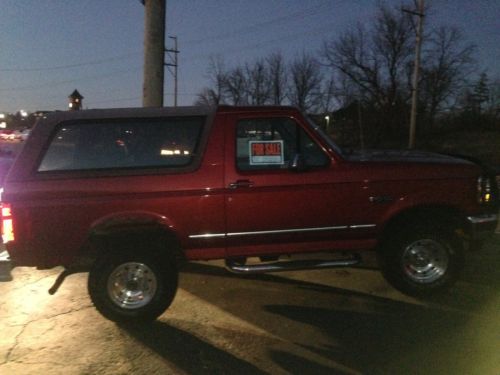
(416, 70)
(154, 52)
(174, 64)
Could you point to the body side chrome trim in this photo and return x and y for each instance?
(362, 226)
(482, 218)
(280, 231)
(207, 235)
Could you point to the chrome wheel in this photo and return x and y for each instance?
(425, 261)
(132, 285)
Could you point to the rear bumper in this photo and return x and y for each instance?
(481, 227)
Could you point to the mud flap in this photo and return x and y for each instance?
(5, 266)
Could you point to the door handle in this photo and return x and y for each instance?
(240, 184)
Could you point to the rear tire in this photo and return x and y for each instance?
(422, 261)
(129, 287)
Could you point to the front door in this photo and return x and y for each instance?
(284, 194)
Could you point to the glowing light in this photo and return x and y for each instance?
(167, 152)
(7, 228)
(7, 231)
(6, 212)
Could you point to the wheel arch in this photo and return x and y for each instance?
(129, 228)
(439, 215)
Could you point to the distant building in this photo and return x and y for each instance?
(75, 101)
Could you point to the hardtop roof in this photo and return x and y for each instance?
(160, 112)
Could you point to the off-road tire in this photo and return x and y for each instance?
(149, 280)
(421, 260)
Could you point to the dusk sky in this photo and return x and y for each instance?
(48, 48)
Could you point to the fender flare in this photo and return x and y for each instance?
(128, 220)
(135, 222)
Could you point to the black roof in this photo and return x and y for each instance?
(75, 95)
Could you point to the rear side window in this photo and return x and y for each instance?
(170, 142)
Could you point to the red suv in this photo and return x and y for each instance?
(129, 194)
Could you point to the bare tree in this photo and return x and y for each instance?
(392, 52)
(446, 65)
(329, 96)
(305, 82)
(258, 87)
(375, 62)
(278, 77)
(350, 57)
(236, 87)
(207, 97)
(217, 76)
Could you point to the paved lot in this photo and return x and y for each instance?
(340, 321)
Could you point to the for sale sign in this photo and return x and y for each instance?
(266, 152)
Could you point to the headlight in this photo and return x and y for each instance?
(484, 190)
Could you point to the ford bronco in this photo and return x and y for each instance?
(130, 194)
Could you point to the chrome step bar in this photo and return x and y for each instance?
(292, 265)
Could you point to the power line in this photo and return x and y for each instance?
(286, 38)
(69, 66)
(259, 26)
(247, 29)
(54, 83)
(289, 37)
(252, 28)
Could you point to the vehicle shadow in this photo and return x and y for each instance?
(362, 331)
(187, 352)
(480, 271)
(404, 340)
(312, 327)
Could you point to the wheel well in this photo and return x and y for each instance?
(154, 239)
(437, 216)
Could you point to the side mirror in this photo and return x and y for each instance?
(298, 164)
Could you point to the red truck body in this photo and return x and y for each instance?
(214, 209)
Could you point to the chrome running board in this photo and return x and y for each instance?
(292, 265)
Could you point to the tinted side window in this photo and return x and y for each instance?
(272, 143)
(168, 142)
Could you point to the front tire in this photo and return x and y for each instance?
(128, 287)
(422, 261)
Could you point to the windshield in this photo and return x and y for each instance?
(322, 134)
